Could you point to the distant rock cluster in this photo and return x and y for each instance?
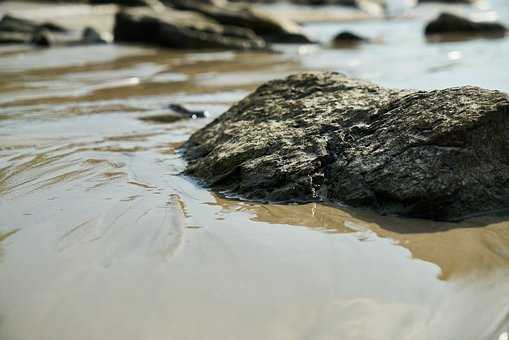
(214, 24)
(22, 31)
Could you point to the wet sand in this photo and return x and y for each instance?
(101, 237)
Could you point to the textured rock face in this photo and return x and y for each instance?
(447, 23)
(442, 154)
(181, 29)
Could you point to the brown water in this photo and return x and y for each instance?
(102, 238)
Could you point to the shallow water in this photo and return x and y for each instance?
(102, 238)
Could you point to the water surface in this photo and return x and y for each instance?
(102, 238)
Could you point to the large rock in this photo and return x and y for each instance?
(182, 30)
(441, 154)
(272, 29)
(447, 23)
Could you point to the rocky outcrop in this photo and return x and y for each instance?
(440, 154)
(447, 23)
(275, 30)
(181, 30)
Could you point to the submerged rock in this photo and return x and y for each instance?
(162, 118)
(447, 23)
(178, 112)
(181, 110)
(276, 30)
(441, 154)
(181, 29)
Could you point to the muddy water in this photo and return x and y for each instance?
(102, 238)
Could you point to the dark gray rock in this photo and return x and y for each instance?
(185, 112)
(15, 30)
(9, 23)
(128, 3)
(275, 30)
(447, 23)
(348, 39)
(91, 36)
(181, 30)
(440, 154)
(154, 4)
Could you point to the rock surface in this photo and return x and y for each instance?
(440, 154)
(181, 29)
(447, 23)
(277, 30)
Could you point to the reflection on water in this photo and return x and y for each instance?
(109, 232)
(472, 247)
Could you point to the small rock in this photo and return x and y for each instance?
(91, 36)
(447, 23)
(179, 113)
(348, 39)
(42, 38)
(177, 108)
